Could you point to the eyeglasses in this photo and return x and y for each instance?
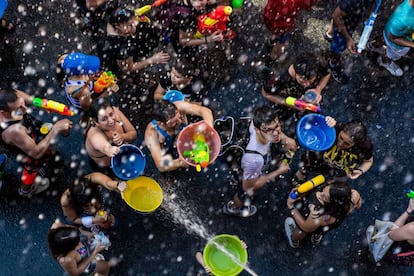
(270, 129)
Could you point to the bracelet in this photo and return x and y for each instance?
(292, 208)
(359, 169)
(205, 37)
(117, 183)
(409, 213)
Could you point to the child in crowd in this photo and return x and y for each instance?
(76, 72)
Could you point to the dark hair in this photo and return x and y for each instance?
(163, 110)
(340, 200)
(62, 240)
(356, 130)
(83, 192)
(263, 115)
(60, 74)
(7, 95)
(120, 16)
(97, 105)
(185, 68)
(306, 65)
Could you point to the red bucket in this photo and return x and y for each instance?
(198, 145)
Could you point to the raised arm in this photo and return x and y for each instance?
(195, 109)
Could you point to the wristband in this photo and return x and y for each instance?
(409, 213)
(87, 221)
(205, 37)
(117, 183)
(359, 169)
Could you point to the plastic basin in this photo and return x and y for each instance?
(219, 262)
(143, 194)
(314, 134)
(128, 163)
(185, 141)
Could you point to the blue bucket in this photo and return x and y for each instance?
(129, 163)
(3, 7)
(314, 134)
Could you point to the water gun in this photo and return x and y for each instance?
(140, 12)
(105, 80)
(369, 25)
(200, 153)
(307, 186)
(410, 193)
(302, 104)
(50, 105)
(216, 20)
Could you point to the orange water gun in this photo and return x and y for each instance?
(105, 80)
(140, 12)
(200, 153)
(216, 20)
(53, 106)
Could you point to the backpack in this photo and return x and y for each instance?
(235, 136)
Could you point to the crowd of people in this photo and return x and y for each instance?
(129, 46)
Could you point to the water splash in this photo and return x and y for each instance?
(182, 213)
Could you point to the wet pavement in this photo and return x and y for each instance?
(163, 242)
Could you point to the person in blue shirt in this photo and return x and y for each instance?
(398, 36)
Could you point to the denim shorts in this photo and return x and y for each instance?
(338, 43)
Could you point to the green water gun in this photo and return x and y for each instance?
(410, 193)
(200, 153)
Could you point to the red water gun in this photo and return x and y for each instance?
(216, 20)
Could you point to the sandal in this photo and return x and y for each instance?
(244, 212)
(6, 26)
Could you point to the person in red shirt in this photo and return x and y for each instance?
(279, 17)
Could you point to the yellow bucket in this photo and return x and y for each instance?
(143, 194)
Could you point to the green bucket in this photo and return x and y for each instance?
(219, 262)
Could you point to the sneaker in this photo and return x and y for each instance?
(338, 75)
(316, 239)
(392, 67)
(327, 36)
(35, 188)
(244, 212)
(290, 226)
(379, 50)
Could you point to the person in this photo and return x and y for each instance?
(76, 72)
(347, 16)
(182, 78)
(73, 253)
(21, 133)
(169, 119)
(82, 202)
(403, 231)
(109, 129)
(127, 45)
(184, 27)
(279, 18)
(397, 35)
(350, 156)
(265, 130)
(325, 207)
(306, 73)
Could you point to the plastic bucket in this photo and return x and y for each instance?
(314, 134)
(218, 261)
(186, 141)
(143, 194)
(128, 163)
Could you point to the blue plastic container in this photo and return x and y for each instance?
(3, 7)
(129, 163)
(314, 134)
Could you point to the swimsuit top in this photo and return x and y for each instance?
(69, 96)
